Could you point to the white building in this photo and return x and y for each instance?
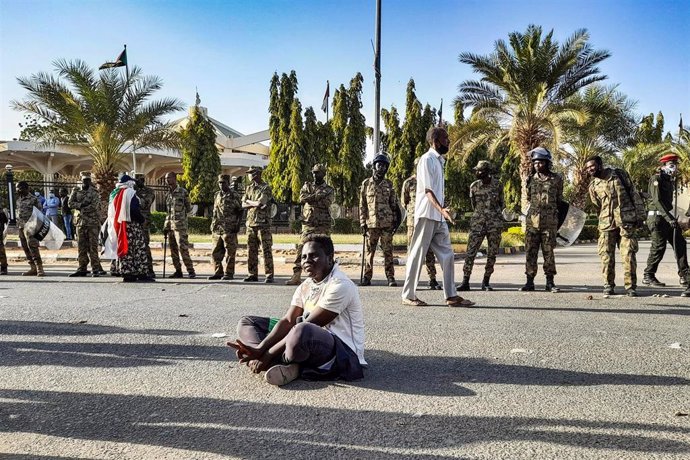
(238, 152)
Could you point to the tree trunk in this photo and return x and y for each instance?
(580, 188)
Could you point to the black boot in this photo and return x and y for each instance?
(485, 284)
(433, 285)
(550, 285)
(529, 285)
(465, 286)
(650, 280)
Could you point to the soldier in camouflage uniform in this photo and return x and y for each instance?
(611, 192)
(26, 202)
(316, 199)
(87, 201)
(379, 217)
(225, 224)
(257, 200)
(663, 222)
(544, 193)
(407, 198)
(486, 196)
(146, 197)
(178, 207)
(3, 255)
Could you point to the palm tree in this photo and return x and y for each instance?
(104, 111)
(523, 95)
(609, 127)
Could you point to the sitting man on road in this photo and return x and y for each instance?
(320, 337)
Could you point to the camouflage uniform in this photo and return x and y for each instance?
(316, 215)
(3, 254)
(146, 197)
(259, 228)
(487, 201)
(378, 208)
(88, 223)
(178, 206)
(407, 198)
(225, 224)
(25, 208)
(660, 222)
(616, 225)
(542, 222)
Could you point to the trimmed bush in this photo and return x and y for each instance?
(197, 225)
(346, 225)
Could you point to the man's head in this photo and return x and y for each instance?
(380, 163)
(318, 256)
(224, 182)
(23, 187)
(594, 166)
(541, 159)
(669, 164)
(52, 193)
(483, 169)
(171, 180)
(85, 177)
(140, 179)
(63, 192)
(319, 173)
(254, 174)
(438, 139)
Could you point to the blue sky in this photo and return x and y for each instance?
(230, 49)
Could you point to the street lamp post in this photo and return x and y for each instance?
(10, 195)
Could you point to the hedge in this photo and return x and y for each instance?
(197, 225)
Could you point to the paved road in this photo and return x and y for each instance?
(102, 370)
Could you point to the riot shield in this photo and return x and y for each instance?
(41, 228)
(571, 227)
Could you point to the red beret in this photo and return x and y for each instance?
(669, 157)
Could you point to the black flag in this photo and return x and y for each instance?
(324, 104)
(121, 61)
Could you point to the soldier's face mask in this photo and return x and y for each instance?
(670, 168)
(380, 169)
(86, 184)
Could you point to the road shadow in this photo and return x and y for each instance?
(105, 355)
(77, 328)
(260, 430)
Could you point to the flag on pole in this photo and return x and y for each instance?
(324, 104)
(121, 61)
(440, 114)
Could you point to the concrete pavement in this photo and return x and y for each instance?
(93, 368)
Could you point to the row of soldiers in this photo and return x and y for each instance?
(611, 190)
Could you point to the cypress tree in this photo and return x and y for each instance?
(296, 163)
(200, 159)
(411, 135)
(280, 107)
(337, 125)
(353, 149)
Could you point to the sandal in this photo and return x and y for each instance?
(415, 303)
(459, 302)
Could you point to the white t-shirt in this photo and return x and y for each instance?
(336, 293)
(429, 176)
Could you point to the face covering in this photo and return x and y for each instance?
(51, 195)
(442, 149)
(670, 169)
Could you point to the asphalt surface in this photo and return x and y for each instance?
(97, 369)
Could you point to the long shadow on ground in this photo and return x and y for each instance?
(257, 430)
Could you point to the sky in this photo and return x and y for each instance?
(230, 49)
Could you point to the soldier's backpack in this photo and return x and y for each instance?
(638, 214)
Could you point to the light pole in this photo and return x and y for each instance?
(10, 195)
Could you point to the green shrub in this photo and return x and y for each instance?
(589, 232)
(345, 225)
(197, 225)
(516, 231)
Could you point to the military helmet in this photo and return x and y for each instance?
(540, 153)
(381, 157)
(319, 168)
